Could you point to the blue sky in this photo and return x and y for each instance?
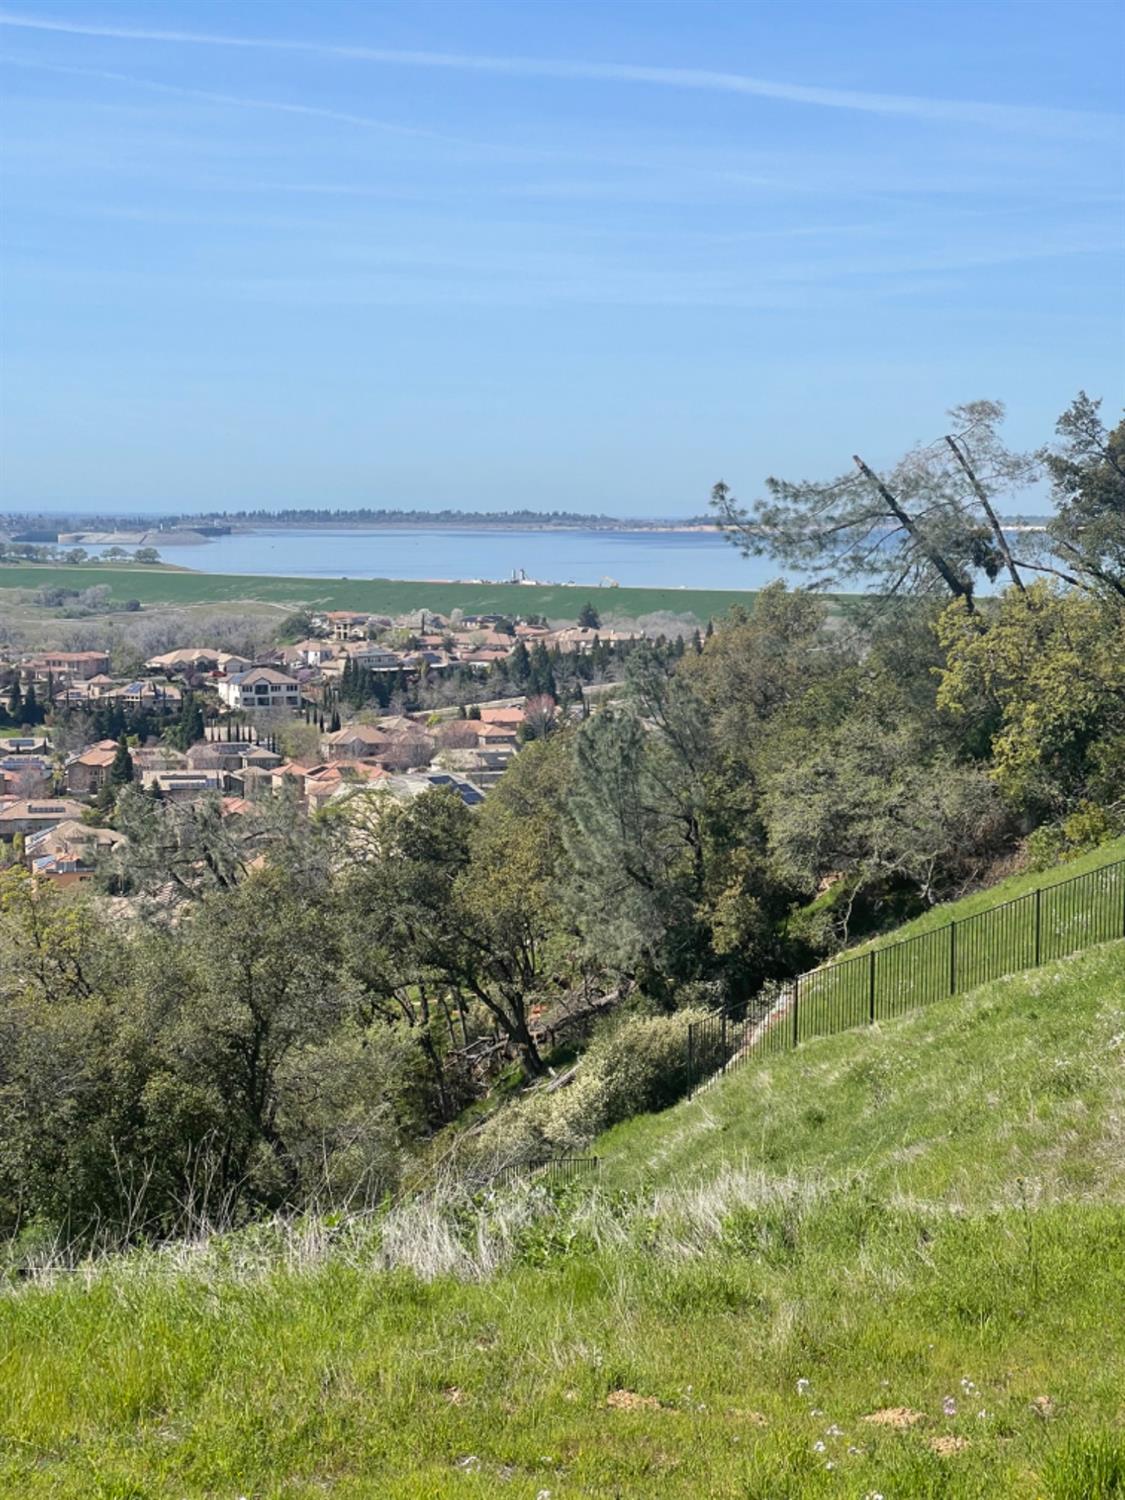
(581, 255)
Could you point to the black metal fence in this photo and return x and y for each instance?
(557, 1172)
(1047, 923)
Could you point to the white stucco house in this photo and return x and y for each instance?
(260, 687)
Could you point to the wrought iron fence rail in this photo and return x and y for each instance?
(556, 1172)
(1050, 922)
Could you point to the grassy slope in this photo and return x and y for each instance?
(936, 1202)
(390, 596)
(1006, 890)
(925, 955)
(959, 1101)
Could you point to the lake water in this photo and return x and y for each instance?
(636, 559)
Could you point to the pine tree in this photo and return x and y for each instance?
(335, 722)
(15, 702)
(105, 801)
(121, 772)
(588, 617)
(541, 678)
(32, 713)
(519, 664)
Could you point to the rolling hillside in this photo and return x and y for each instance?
(887, 1264)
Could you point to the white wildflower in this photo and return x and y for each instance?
(802, 1386)
(949, 1406)
(818, 1446)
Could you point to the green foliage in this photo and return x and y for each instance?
(121, 771)
(295, 627)
(1087, 471)
(634, 1065)
(188, 728)
(1050, 666)
(871, 810)
(1088, 827)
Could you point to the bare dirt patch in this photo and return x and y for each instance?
(946, 1447)
(631, 1401)
(897, 1417)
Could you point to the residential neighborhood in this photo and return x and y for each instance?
(344, 704)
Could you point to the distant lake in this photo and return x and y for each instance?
(637, 559)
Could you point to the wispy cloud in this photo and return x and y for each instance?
(1027, 118)
(239, 101)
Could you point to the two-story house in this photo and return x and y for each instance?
(260, 687)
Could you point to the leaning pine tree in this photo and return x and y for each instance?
(927, 525)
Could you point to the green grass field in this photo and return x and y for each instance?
(379, 595)
(887, 1264)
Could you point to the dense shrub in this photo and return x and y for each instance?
(635, 1065)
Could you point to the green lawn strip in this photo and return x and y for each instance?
(389, 596)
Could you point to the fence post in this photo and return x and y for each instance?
(953, 958)
(871, 990)
(724, 1038)
(1038, 925)
(691, 1056)
(796, 1002)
